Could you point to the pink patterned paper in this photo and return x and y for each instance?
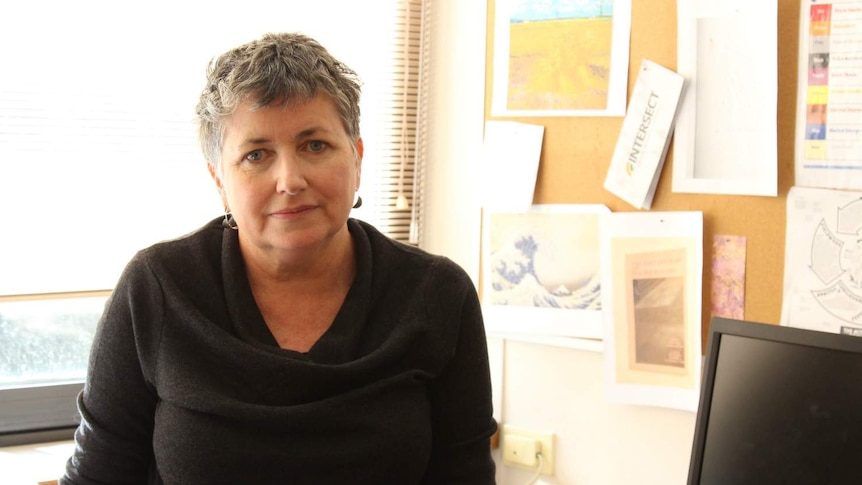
(728, 276)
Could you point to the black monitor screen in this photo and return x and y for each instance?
(778, 405)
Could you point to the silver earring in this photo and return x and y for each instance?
(358, 202)
(229, 222)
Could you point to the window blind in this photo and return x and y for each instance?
(98, 149)
(98, 152)
(420, 154)
(396, 201)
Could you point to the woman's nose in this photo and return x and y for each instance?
(290, 176)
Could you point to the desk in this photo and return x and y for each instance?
(34, 464)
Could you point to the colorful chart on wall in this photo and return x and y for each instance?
(829, 104)
(561, 57)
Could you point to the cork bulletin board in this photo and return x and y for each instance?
(576, 153)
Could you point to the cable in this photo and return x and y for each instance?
(538, 470)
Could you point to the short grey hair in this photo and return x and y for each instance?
(278, 68)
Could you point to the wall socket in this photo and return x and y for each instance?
(521, 445)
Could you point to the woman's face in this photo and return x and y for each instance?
(289, 175)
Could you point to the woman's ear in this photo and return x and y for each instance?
(211, 167)
(360, 149)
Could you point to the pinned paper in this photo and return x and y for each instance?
(511, 165)
(645, 135)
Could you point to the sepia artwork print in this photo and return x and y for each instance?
(651, 306)
(656, 283)
(542, 273)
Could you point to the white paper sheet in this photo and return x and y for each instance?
(829, 104)
(823, 261)
(652, 264)
(725, 139)
(642, 144)
(511, 163)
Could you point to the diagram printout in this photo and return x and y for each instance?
(823, 261)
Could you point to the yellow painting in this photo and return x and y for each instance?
(560, 63)
(561, 57)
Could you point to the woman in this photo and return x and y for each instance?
(286, 343)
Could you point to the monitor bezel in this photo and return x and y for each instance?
(720, 327)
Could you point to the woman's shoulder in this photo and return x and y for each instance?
(200, 247)
(203, 235)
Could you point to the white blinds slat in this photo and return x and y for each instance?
(98, 152)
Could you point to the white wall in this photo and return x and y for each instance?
(455, 128)
(557, 389)
(550, 388)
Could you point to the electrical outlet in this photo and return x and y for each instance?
(520, 447)
(519, 450)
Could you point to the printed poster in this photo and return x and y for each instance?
(829, 105)
(823, 261)
(542, 273)
(653, 268)
(561, 57)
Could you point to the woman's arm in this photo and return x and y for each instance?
(113, 443)
(462, 412)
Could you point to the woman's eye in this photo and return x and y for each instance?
(316, 145)
(254, 156)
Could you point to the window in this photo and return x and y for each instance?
(99, 157)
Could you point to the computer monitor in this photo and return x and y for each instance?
(778, 405)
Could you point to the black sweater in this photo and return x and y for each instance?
(186, 385)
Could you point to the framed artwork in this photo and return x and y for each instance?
(541, 271)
